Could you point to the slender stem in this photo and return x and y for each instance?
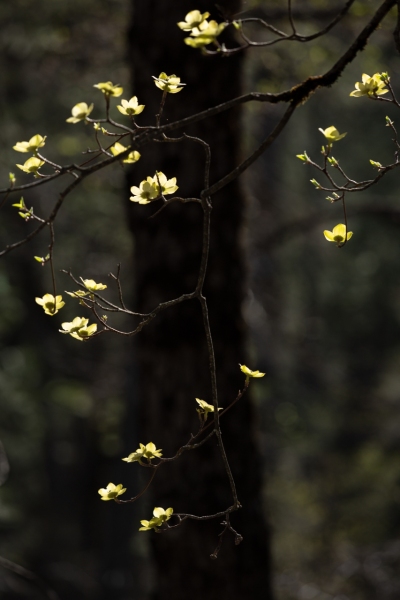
(51, 249)
(159, 115)
(345, 220)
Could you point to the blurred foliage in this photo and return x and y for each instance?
(63, 407)
(325, 323)
(326, 326)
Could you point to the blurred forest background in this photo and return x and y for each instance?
(324, 324)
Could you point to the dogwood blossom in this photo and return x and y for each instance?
(130, 107)
(112, 491)
(165, 186)
(51, 305)
(146, 192)
(249, 373)
(203, 36)
(80, 112)
(338, 234)
(148, 451)
(370, 86)
(160, 517)
(32, 165)
(149, 525)
(332, 134)
(79, 328)
(205, 408)
(169, 83)
(92, 286)
(109, 89)
(118, 148)
(194, 18)
(36, 142)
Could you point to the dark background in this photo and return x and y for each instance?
(323, 323)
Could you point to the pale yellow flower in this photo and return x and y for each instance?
(249, 373)
(148, 451)
(160, 517)
(169, 83)
(118, 148)
(51, 305)
(109, 89)
(92, 286)
(338, 234)
(205, 407)
(131, 107)
(32, 165)
(202, 36)
(163, 515)
(112, 491)
(79, 328)
(149, 525)
(370, 86)
(36, 142)
(332, 134)
(194, 18)
(80, 112)
(146, 192)
(165, 186)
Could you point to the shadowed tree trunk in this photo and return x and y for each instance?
(172, 354)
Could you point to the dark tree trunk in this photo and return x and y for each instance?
(172, 357)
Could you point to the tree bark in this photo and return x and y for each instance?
(171, 351)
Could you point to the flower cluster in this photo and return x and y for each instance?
(90, 285)
(33, 164)
(371, 86)
(148, 451)
(152, 188)
(202, 32)
(79, 328)
(160, 517)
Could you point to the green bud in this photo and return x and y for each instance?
(20, 204)
(304, 157)
(376, 164)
